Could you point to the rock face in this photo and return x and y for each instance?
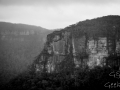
(86, 44)
(19, 45)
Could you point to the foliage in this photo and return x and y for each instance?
(85, 79)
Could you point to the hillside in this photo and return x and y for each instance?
(83, 55)
(19, 45)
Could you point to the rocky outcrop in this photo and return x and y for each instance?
(83, 45)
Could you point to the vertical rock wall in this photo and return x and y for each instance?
(80, 46)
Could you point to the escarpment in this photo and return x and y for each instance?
(86, 44)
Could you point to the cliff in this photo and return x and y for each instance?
(86, 44)
(19, 45)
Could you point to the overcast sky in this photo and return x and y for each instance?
(52, 14)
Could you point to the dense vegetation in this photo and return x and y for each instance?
(80, 79)
(96, 27)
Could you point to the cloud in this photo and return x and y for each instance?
(54, 2)
(55, 13)
(55, 17)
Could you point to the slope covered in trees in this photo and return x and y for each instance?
(98, 26)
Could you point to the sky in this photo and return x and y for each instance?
(55, 14)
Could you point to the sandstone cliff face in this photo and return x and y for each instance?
(83, 45)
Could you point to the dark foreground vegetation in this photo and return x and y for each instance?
(80, 79)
